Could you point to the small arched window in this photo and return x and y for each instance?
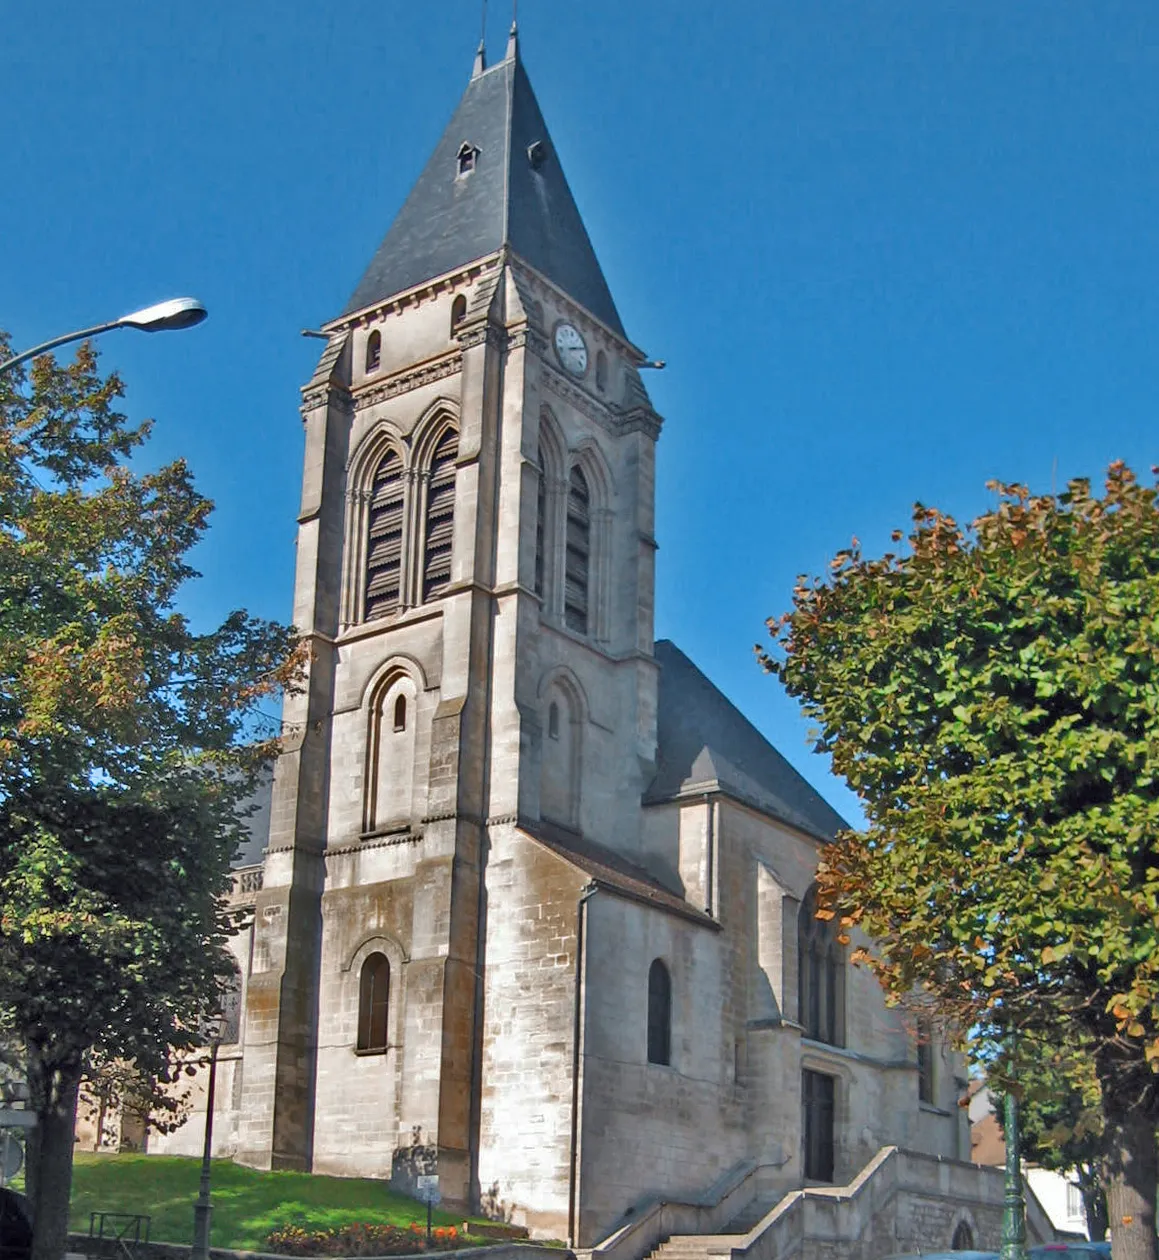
(601, 371)
(579, 547)
(373, 351)
(400, 713)
(821, 975)
(925, 1046)
(440, 522)
(384, 541)
(553, 721)
(659, 1013)
(467, 155)
(373, 1002)
(540, 533)
(458, 312)
(963, 1239)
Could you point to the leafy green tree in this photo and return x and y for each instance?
(126, 754)
(1061, 1121)
(992, 695)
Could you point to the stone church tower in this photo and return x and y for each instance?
(533, 912)
(475, 573)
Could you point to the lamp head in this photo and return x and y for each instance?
(175, 313)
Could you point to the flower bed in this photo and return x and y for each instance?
(365, 1240)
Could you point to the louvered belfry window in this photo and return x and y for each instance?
(384, 542)
(440, 521)
(579, 547)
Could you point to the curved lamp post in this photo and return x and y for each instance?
(161, 317)
(203, 1208)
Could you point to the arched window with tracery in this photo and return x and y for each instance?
(384, 538)
(373, 351)
(577, 565)
(821, 975)
(373, 1002)
(659, 1013)
(440, 516)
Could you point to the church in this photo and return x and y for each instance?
(532, 902)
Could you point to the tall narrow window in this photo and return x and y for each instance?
(553, 721)
(579, 547)
(821, 975)
(601, 371)
(925, 1048)
(659, 1013)
(817, 1106)
(440, 517)
(373, 351)
(400, 714)
(540, 533)
(384, 544)
(373, 1002)
(458, 312)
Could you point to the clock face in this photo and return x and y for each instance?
(571, 349)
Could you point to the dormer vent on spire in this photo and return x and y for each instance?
(468, 153)
(536, 154)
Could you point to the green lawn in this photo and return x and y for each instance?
(246, 1204)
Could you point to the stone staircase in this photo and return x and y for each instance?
(695, 1246)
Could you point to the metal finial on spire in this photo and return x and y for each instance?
(481, 52)
(513, 35)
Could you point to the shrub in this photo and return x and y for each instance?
(361, 1239)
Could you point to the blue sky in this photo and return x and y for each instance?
(889, 250)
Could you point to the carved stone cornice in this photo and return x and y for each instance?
(577, 398)
(404, 382)
(527, 336)
(324, 396)
(640, 420)
(492, 334)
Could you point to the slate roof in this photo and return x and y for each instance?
(612, 870)
(450, 220)
(251, 851)
(704, 742)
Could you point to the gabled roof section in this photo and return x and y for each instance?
(516, 196)
(704, 742)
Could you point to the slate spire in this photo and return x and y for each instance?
(494, 180)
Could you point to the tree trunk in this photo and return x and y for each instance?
(1132, 1170)
(1094, 1206)
(54, 1089)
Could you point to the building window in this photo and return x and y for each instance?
(579, 547)
(818, 1093)
(373, 351)
(821, 975)
(373, 1002)
(458, 312)
(601, 371)
(440, 518)
(963, 1239)
(540, 533)
(384, 540)
(400, 714)
(1075, 1208)
(925, 1047)
(659, 1014)
(553, 721)
(467, 156)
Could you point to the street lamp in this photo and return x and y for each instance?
(161, 317)
(203, 1208)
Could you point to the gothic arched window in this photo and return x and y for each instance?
(373, 1002)
(659, 1013)
(440, 519)
(373, 351)
(579, 548)
(821, 975)
(384, 539)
